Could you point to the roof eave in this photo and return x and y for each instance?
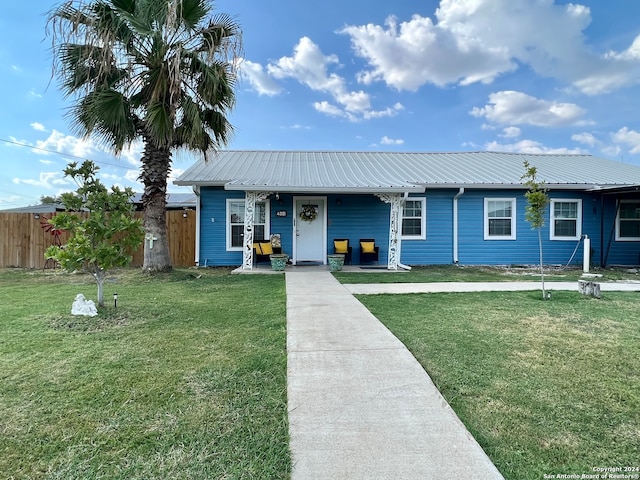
(509, 186)
(327, 189)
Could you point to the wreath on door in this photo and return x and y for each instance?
(309, 213)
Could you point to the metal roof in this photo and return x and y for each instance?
(378, 172)
(174, 200)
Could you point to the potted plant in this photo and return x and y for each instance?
(278, 261)
(336, 261)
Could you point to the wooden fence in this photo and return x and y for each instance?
(23, 241)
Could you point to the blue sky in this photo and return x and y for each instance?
(536, 76)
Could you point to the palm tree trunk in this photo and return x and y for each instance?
(156, 165)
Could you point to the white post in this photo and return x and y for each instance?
(396, 201)
(586, 259)
(250, 199)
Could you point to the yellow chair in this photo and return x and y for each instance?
(262, 250)
(369, 251)
(341, 245)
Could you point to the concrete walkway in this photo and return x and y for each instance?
(360, 405)
(374, 288)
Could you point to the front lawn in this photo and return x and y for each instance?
(546, 387)
(186, 379)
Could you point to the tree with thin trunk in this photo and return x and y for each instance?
(158, 71)
(101, 223)
(537, 201)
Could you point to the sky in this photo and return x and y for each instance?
(530, 76)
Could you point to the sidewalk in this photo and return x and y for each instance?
(360, 405)
(374, 288)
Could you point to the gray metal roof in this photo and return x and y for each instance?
(174, 200)
(314, 171)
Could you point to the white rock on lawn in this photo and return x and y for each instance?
(82, 306)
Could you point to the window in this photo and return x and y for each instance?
(414, 219)
(499, 215)
(566, 219)
(235, 223)
(628, 221)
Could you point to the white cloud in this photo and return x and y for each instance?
(517, 108)
(627, 137)
(511, 132)
(133, 154)
(174, 174)
(132, 176)
(612, 151)
(68, 144)
(529, 146)
(477, 40)
(411, 54)
(10, 201)
(585, 138)
(310, 67)
(329, 109)
(46, 162)
(38, 126)
(390, 141)
(46, 180)
(259, 79)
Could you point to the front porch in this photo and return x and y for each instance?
(264, 268)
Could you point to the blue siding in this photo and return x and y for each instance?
(616, 252)
(474, 249)
(213, 240)
(366, 216)
(356, 217)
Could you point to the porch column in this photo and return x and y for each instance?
(396, 201)
(250, 199)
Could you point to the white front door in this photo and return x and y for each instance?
(310, 233)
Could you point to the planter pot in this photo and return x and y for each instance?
(336, 261)
(278, 261)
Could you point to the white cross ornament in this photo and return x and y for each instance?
(150, 238)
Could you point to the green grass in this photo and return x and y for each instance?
(546, 387)
(455, 273)
(185, 380)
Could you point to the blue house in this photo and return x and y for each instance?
(419, 208)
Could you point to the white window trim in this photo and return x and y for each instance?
(423, 220)
(486, 219)
(618, 237)
(267, 226)
(552, 223)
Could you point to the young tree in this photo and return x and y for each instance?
(537, 201)
(159, 71)
(101, 224)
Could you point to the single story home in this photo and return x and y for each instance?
(418, 208)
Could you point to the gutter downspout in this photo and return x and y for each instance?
(455, 224)
(196, 190)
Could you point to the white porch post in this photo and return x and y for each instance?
(250, 200)
(396, 201)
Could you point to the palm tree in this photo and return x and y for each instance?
(159, 71)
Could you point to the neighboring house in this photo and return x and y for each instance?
(421, 208)
(175, 201)
(42, 209)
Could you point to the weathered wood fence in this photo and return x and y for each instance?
(23, 241)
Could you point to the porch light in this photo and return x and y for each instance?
(185, 214)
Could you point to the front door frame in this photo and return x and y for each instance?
(321, 218)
